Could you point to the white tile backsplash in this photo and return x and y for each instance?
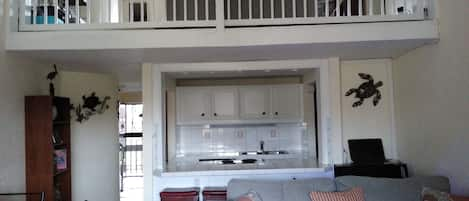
(200, 140)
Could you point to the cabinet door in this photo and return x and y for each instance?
(287, 102)
(224, 103)
(254, 102)
(193, 104)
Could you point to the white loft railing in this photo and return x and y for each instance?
(52, 15)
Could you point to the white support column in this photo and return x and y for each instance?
(220, 14)
(334, 122)
(148, 130)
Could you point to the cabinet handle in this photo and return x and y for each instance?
(263, 113)
(203, 114)
(214, 114)
(276, 113)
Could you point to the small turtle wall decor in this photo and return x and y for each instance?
(366, 90)
(91, 105)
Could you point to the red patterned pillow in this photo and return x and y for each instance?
(354, 194)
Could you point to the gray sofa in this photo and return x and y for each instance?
(376, 189)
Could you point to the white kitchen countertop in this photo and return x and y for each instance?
(277, 164)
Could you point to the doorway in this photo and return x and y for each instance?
(131, 151)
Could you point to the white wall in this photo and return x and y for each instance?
(95, 146)
(367, 121)
(19, 76)
(432, 101)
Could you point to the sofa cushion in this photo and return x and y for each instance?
(354, 194)
(267, 189)
(429, 194)
(299, 190)
(385, 189)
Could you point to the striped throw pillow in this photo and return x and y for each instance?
(354, 194)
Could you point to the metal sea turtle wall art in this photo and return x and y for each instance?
(92, 105)
(366, 90)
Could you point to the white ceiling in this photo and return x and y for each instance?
(126, 63)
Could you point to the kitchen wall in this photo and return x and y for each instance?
(19, 76)
(95, 145)
(432, 101)
(368, 121)
(200, 140)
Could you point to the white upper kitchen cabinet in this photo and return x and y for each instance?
(224, 103)
(193, 105)
(254, 102)
(239, 104)
(287, 102)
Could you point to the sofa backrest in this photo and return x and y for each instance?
(291, 190)
(384, 189)
(299, 190)
(268, 190)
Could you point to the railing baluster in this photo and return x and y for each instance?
(67, 11)
(305, 9)
(88, 11)
(337, 8)
(174, 10)
(131, 12)
(121, 11)
(272, 9)
(196, 10)
(327, 8)
(382, 7)
(45, 12)
(316, 7)
(239, 9)
(261, 9)
(34, 11)
(283, 8)
(228, 9)
(142, 10)
(184, 8)
(77, 12)
(206, 9)
(294, 8)
(370, 7)
(360, 7)
(349, 8)
(250, 9)
(21, 15)
(56, 10)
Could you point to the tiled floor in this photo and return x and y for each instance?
(133, 189)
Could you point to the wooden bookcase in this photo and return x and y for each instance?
(44, 136)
